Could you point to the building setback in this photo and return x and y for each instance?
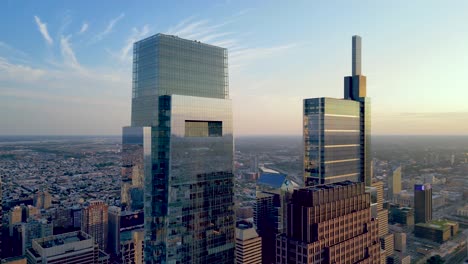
(71, 248)
(182, 121)
(330, 224)
(248, 244)
(337, 132)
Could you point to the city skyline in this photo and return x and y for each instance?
(75, 79)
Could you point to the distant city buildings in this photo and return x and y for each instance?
(94, 221)
(394, 183)
(337, 132)
(42, 200)
(422, 203)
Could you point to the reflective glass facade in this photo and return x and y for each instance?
(165, 65)
(337, 132)
(332, 140)
(135, 142)
(180, 92)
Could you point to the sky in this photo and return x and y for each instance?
(65, 66)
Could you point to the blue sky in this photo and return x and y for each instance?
(65, 66)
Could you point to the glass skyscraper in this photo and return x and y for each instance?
(337, 132)
(182, 128)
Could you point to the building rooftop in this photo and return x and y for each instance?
(273, 180)
(438, 224)
(158, 35)
(245, 230)
(57, 240)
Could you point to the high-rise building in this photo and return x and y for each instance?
(42, 200)
(72, 248)
(400, 242)
(330, 223)
(24, 233)
(386, 240)
(401, 215)
(422, 203)
(248, 244)
(131, 237)
(132, 246)
(182, 122)
(113, 242)
(273, 192)
(94, 221)
(394, 183)
(337, 132)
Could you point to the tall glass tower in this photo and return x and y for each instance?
(337, 132)
(182, 124)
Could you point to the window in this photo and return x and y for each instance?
(203, 128)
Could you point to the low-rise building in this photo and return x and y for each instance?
(72, 248)
(437, 230)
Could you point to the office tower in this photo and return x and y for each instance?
(401, 215)
(72, 248)
(181, 106)
(76, 212)
(131, 237)
(400, 242)
(42, 200)
(24, 233)
(337, 132)
(387, 245)
(132, 246)
(394, 183)
(422, 203)
(113, 242)
(15, 216)
(377, 211)
(273, 192)
(330, 223)
(248, 244)
(95, 223)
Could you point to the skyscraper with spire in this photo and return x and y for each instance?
(337, 131)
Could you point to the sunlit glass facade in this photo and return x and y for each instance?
(332, 140)
(337, 132)
(180, 93)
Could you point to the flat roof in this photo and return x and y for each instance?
(57, 240)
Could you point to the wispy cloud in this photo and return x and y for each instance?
(124, 54)
(215, 34)
(6, 49)
(109, 28)
(43, 29)
(18, 72)
(68, 54)
(84, 28)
